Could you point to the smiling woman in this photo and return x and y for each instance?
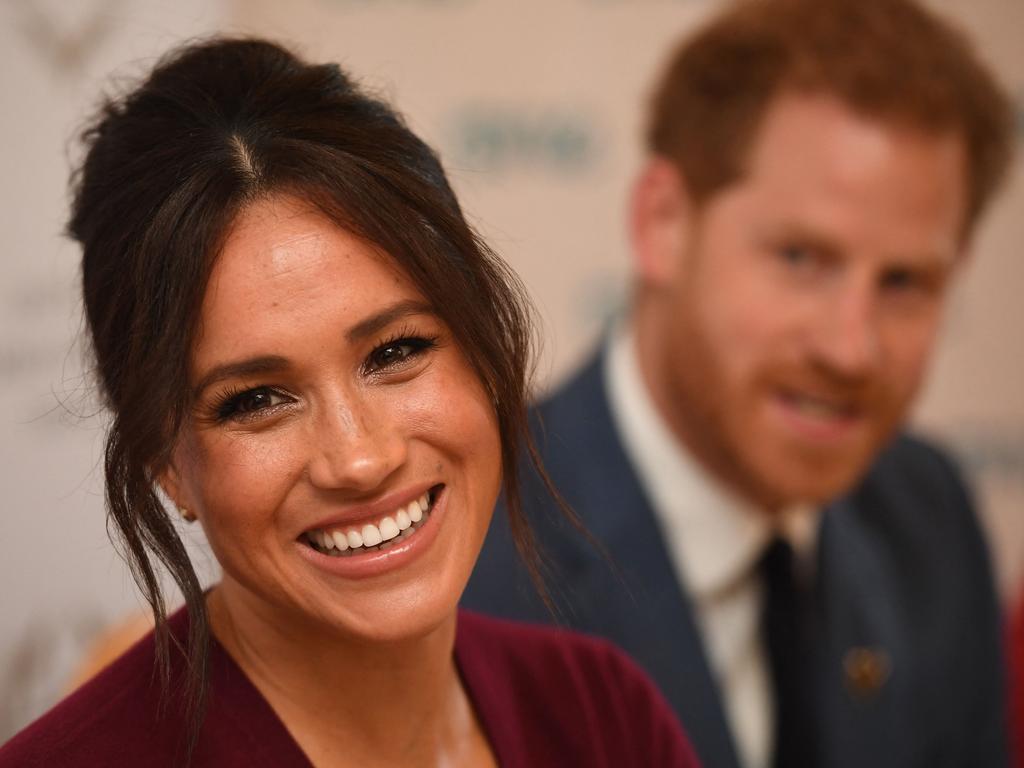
(308, 351)
(338, 429)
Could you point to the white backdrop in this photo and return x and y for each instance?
(535, 106)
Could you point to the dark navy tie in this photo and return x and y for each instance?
(787, 613)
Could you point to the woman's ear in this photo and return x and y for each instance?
(660, 221)
(169, 481)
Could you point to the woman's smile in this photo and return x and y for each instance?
(365, 531)
(359, 550)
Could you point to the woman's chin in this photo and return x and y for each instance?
(406, 605)
(398, 594)
(393, 619)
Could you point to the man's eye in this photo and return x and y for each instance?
(796, 255)
(394, 353)
(902, 280)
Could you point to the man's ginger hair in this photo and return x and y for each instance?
(891, 60)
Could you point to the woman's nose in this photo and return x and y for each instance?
(354, 448)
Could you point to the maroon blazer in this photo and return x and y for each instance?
(545, 697)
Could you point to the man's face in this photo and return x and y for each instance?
(796, 321)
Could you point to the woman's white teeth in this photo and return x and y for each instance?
(400, 525)
(371, 536)
(388, 529)
(415, 511)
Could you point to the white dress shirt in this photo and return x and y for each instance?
(714, 539)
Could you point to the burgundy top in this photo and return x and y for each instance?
(1016, 654)
(545, 697)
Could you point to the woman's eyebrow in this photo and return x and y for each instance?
(240, 368)
(275, 363)
(380, 320)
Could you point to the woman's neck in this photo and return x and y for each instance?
(348, 701)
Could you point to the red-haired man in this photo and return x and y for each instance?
(807, 583)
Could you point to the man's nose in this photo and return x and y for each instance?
(846, 337)
(354, 447)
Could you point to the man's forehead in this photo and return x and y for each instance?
(799, 123)
(820, 167)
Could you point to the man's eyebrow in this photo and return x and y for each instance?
(377, 322)
(239, 369)
(801, 235)
(940, 258)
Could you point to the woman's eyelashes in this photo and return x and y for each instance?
(397, 352)
(394, 355)
(243, 405)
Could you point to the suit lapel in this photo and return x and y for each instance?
(642, 607)
(864, 722)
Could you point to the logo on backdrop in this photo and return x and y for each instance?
(65, 35)
(501, 138)
(649, 2)
(394, 3)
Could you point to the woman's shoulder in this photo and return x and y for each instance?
(525, 646)
(106, 721)
(567, 690)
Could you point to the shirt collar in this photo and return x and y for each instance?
(714, 537)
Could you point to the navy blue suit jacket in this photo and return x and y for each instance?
(903, 571)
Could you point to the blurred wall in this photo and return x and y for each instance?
(536, 108)
(61, 578)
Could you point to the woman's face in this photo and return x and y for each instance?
(342, 456)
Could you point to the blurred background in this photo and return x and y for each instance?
(536, 109)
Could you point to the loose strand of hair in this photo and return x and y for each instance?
(144, 531)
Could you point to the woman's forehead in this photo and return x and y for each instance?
(281, 241)
(285, 268)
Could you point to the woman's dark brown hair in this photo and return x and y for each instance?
(168, 168)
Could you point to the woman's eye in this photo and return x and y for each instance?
(394, 353)
(251, 401)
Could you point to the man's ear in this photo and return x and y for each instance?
(660, 220)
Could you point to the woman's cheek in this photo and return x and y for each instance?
(458, 402)
(253, 474)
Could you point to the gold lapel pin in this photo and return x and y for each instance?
(866, 670)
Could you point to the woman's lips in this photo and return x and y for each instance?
(365, 560)
(348, 539)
